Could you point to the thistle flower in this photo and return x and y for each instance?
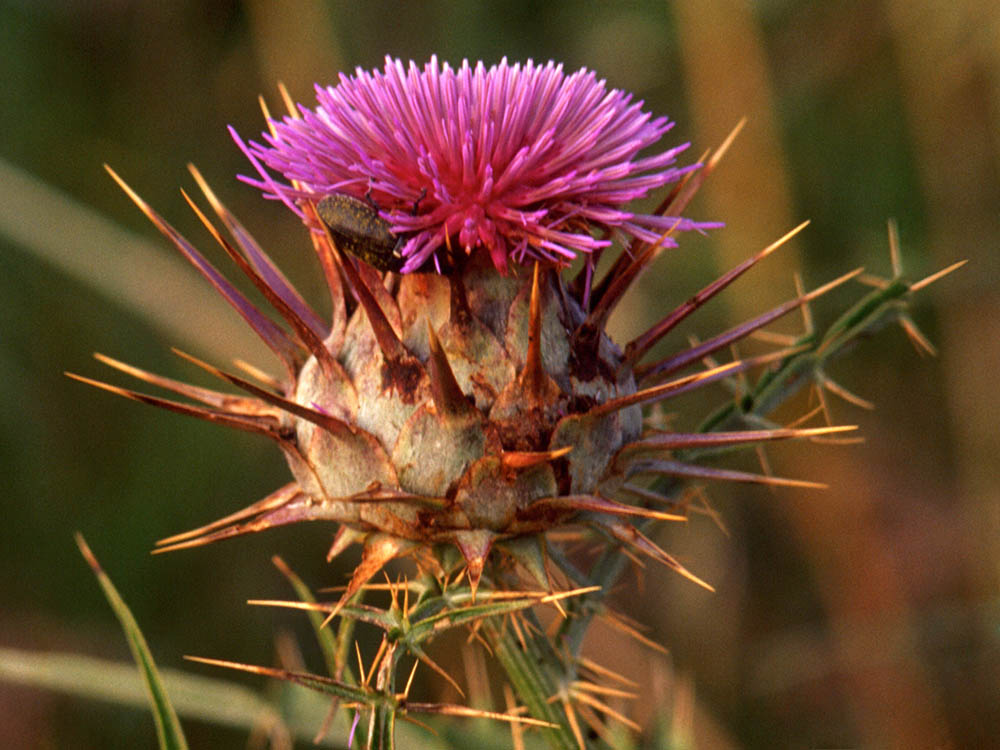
(481, 409)
(524, 161)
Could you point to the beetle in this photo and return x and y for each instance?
(359, 230)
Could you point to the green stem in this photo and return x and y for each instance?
(384, 727)
(533, 674)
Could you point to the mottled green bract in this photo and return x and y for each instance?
(359, 230)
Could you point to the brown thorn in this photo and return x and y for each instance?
(597, 726)
(474, 635)
(515, 623)
(526, 459)
(838, 390)
(688, 382)
(255, 372)
(377, 660)
(634, 557)
(287, 99)
(895, 257)
(596, 504)
(361, 664)
(416, 722)
(321, 419)
(409, 680)
(533, 378)
(598, 317)
(674, 363)
(258, 259)
(876, 282)
(638, 347)
(675, 441)
(634, 538)
(328, 717)
(516, 734)
(275, 500)
(306, 330)
(209, 415)
(344, 538)
(562, 612)
(679, 468)
(625, 263)
(475, 548)
(605, 672)
(724, 146)
(816, 411)
(668, 202)
(272, 335)
(379, 549)
(391, 588)
(821, 290)
(620, 624)
(285, 604)
(920, 342)
(765, 463)
(233, 404)
(447, 394)
(440, 670)
(774, 338)
(255, 253)
(710, 166)
(705, 508)
(328, 260)
(917, 286)
(267, 115)
(296, 509)
(574, 725)
(605, 709)
(675, 203)
(449, 709)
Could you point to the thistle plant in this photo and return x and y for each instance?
(463, 406)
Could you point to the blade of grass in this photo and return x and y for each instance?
(168, 727)
(88, 247)
(215, 701)
(328, 644)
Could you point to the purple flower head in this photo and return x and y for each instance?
(523, 160)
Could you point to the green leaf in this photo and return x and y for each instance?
(168, 728)
(312, 681)
(210, 700)
(332, 655)
(450, 618)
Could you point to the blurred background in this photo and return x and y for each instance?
(865, 615)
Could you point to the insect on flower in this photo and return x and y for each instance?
(358, 229)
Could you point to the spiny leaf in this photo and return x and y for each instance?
(449, 618)
(360, 613)
(313, 681)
